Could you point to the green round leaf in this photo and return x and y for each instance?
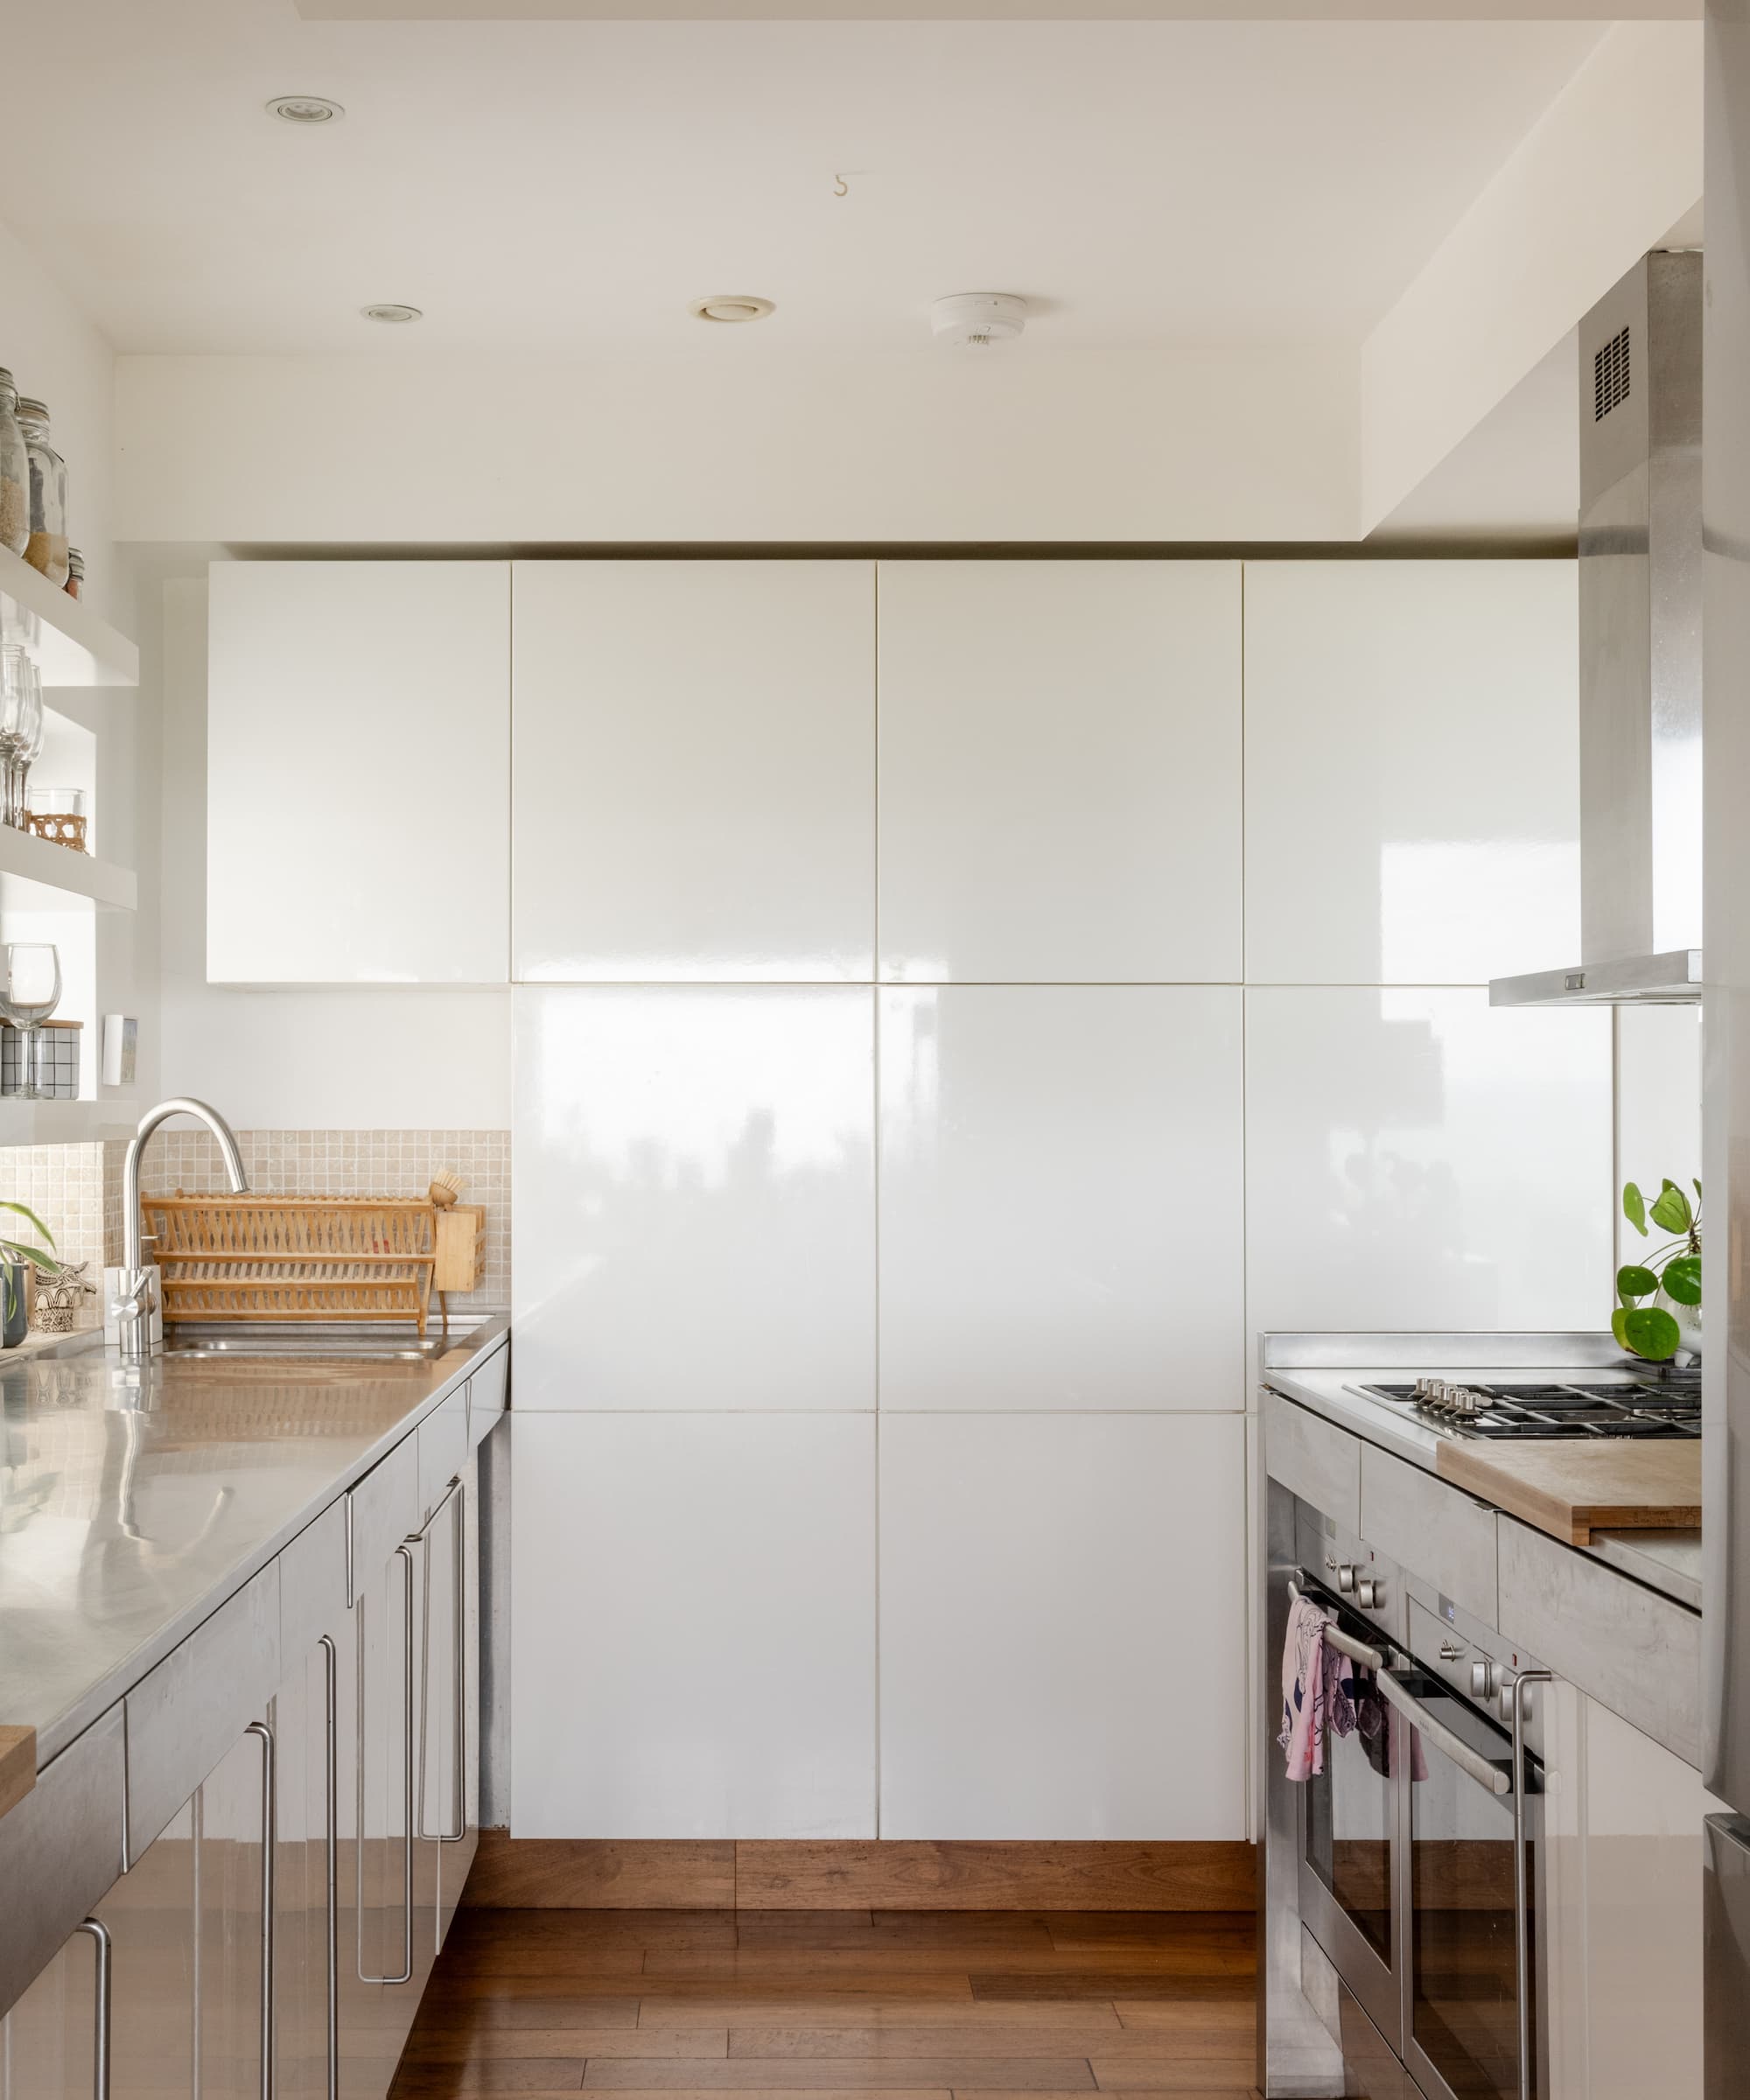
(1634, 1208)
(1619, 1325)
(1651, 1334)
(1681, 1280)
(1670, 1208)
(1633, 1281)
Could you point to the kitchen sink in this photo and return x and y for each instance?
(326, 1345)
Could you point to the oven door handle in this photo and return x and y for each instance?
(1522, 1894)
(1468, 1760)
(1345, 1644)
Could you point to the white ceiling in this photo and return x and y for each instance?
(569, 187)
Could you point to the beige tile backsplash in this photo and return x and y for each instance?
(76, 1189)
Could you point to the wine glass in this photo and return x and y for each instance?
(30, 992)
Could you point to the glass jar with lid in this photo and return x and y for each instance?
(15, 472)
(46, 549)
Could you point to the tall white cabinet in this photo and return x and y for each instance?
(358, 781)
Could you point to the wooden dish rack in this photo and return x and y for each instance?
(225, 1257)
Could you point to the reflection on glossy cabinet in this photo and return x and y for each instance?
(230, 1923)
(346, 701)
(46, 2040)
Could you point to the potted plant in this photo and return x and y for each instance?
(16, 1258)
(1669, 1279)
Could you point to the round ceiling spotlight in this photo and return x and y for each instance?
(304, 109)
(392, 313)
(732, 307)
(974, 320)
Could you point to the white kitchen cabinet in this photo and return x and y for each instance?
(1059, 769)
(1418, 1158)
(1061, 1185)
(693, 1193)
(358, 760)
(1063, 1626)
(694, 771)
(1412, 770)
(694, 1600)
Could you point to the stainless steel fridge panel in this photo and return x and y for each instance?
(1725, 1951)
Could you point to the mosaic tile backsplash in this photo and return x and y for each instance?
(357, 1163)
(76, 1189)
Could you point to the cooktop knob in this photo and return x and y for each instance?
(1483, 1679)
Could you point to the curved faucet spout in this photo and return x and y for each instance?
(133, 1232)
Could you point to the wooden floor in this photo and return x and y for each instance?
(911, 2005)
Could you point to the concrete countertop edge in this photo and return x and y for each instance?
(1613, 1549)
(493, 1334)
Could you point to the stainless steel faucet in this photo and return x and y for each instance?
(133, 1308)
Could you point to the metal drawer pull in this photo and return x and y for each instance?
(264, 1734)
(331, 1777)
(101, 1998)
(1357, 1651)
(453, 1498)
(1463, 1756)
(1521, 1904)
(403, 1553)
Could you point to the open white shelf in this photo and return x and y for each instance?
(65, 1122)
(70, 644)
(36, 876)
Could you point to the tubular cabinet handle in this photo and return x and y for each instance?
(454, 1497)
(102, 1995)
(264, 1734)
(1521, 1894)
(403, 1553)
(331, 1776)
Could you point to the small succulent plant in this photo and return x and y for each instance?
(1671, 1272)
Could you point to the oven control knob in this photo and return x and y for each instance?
(1485, 1679)
(1345, 1579)
(1368, 1589)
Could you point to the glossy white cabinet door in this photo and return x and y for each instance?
(1412, 771)
(358, 773)
(1643, 1914)
(695, 793)
(1061, 1197)
(1063, 1626)
(693, 1197)
(1417, 1158)
(1060, 771)
(693, 1613)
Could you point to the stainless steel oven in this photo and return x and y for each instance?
(1418, 1854)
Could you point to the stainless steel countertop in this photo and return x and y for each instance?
(1317, 1377)
(135, 1499)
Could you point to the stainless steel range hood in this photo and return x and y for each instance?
(1639, 633)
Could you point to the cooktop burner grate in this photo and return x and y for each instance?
(1653, 1407)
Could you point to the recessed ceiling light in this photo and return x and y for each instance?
(731, 306)
(391, 312)
(304, 109)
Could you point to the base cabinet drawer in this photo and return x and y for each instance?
(60, 1850)
(1314, 1458)
(1436, 1532)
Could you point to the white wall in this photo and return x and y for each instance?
(1211, 445)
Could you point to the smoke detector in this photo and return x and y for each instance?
(976, 319)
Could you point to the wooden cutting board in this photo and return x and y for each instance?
(17, 1765)
(1572, 1489)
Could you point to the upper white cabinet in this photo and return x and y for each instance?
(1061, 797)
(694, 771)
(1412, 771)
(358, 773)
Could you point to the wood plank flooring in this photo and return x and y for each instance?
(829, 2005)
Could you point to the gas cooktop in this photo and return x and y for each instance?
(1666, 1403)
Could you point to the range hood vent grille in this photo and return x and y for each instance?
(1610, 375)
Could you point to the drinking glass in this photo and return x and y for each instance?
(30, 992)
(30, 746)
(15, 707)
